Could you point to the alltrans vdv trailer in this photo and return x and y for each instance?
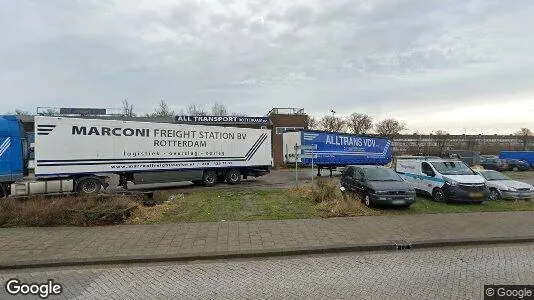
(78, 155)
(334, 149)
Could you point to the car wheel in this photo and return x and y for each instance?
(494, 194)
(438, 195)
(367, 201)
(515, 169)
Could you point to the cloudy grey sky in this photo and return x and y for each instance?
(448, 64)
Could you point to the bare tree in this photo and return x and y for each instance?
(312, 123)
(127, 109)
(332, 123)
(219, 109)
(20, 112)
(163, 111)
(359, 123)
(48, 112)
(389, 127)
(196, 110)
(238, 115)
(442, 140)
(525, 135)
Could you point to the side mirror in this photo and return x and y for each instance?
(429, 173)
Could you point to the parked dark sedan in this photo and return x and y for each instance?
(493, 164)
(517, 165)
(378, 185)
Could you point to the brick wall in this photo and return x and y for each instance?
(283, 120)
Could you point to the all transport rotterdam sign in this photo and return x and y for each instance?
(222, 119)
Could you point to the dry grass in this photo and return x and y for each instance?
(73, 211)
(350, 205)
(301, 191)
(326, 189)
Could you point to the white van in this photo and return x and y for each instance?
(444, 180)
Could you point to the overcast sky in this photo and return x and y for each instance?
(448, 64)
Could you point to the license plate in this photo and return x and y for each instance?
(476, 195)
(397, 202)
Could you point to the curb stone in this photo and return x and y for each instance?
(393, 245)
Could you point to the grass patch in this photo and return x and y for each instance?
(65, 211)
(424, 205)
(212, 205)
(324, 200)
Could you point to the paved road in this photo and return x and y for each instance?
(449, 273)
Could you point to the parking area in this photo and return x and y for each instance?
(279, 178)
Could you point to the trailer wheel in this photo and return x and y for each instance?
(209, 178)
(88, 185)
(233, 176)
(3, 190)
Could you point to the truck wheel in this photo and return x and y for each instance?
(209, 178)
(88, 185)
(438, 195)
(233, 176)
(3, 190)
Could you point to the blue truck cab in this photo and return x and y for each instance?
(13, 152)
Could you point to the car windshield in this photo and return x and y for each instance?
(452, 168)
(381, 174)
(494, 175)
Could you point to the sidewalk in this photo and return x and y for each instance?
(34, 247)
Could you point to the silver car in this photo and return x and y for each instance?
(503, 187)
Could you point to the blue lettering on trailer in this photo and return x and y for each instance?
(338, 149)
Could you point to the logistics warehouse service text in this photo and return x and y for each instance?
(163, 137)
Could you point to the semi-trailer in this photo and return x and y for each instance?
(331, 150)
(78, 155)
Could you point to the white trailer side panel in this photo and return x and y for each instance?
(73, 145)
(289, 141)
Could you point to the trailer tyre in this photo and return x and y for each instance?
(88, 185)
(209, 178)
(3, 190)
(233, 176)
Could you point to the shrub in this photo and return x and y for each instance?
(73, 211)
(326, 190)
(350, 205)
